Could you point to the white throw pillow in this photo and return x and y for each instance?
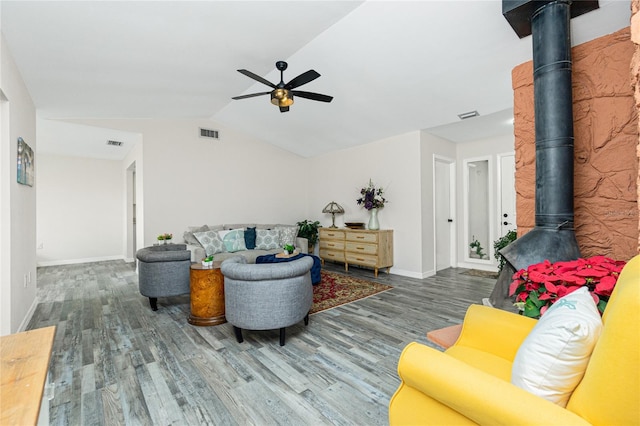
(552, 359)
(211, 242)
(287, 235)
(234, 241)
(266, 239)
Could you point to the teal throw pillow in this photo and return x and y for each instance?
(234, 241)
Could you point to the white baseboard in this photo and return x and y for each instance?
(27, 317)
(74, 261)
(412, 274)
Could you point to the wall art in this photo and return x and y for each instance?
(25, 163)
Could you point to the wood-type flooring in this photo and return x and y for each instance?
(115, 361)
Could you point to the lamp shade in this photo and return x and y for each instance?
(333, 207)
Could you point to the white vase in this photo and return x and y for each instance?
(374, 225)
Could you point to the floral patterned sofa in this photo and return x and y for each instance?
(248, 240)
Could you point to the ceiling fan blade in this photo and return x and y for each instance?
(250, 96)
(312, 96)
(303, 78)
(257, 78)
(284, 109)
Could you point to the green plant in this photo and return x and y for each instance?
(208, 258)
(289, 248)
(475, 245)
(501, 243)
(309, 230)
(163, 237)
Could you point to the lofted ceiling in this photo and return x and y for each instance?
(392, 66)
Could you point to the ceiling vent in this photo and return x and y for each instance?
(114, 143)
(469, 114)
(208, 133)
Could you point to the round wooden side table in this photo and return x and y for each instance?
(207, 295)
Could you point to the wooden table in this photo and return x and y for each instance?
(24, 362)
(207, 295)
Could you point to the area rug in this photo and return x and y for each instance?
(479, 273)
(337, 289)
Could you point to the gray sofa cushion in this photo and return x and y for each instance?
(163, 253)
(188, 236)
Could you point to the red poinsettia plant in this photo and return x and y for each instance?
(540, 285)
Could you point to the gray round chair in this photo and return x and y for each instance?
(163, 271)
(267, 296)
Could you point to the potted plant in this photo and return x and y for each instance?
(501, 243)
(540, 285)
(207, 262)
(477, 249)
(309, 230)
(288, 249)
(164, 238)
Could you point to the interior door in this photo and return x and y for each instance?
(443, 213)
(507, 194)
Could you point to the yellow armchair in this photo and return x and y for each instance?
(470, 382)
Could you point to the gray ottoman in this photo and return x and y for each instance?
(163, 271)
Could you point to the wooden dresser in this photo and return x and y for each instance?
(373, 249)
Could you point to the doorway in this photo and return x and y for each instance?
(444, 208)
(507, 179)
(131, 236)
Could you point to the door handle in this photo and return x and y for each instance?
(505, 215)
(449, 220)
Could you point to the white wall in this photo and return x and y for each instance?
(392, 163)
(18, 202)
(79, 215)
(187, 180)
(481, 148)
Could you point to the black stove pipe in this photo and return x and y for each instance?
(553, 237)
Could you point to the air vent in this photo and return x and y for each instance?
(208, 133)
(114, 143)
(469, 114)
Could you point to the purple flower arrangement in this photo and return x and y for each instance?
(371, 198)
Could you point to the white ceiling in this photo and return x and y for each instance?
(392, 66)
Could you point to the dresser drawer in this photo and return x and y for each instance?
(331, 234)
(338, 256)
(361, 259)
(362, 248)
(331, 245)
(364, 237)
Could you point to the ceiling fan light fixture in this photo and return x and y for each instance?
(282, 94)
(281, 98)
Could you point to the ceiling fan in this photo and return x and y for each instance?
(282, 94)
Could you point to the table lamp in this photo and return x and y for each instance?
(333, 208)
